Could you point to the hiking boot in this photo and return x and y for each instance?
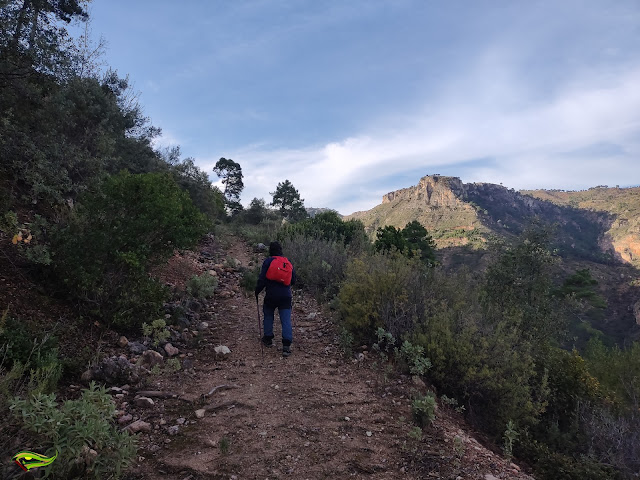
(286, 350)
(267, 342)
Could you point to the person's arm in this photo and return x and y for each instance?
(262, 278)
(293, 276)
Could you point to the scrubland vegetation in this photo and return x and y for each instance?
(88, 207)
(495, 341)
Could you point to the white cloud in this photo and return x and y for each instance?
(528, 145)
(166, 140)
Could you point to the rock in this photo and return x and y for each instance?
(203, 326)
(125, 419)
(187, 364)
(144, 402)
(139, 426)
(488, 476)
(171, 350)
(151, 358)
(222, 351)
(154, 448)
(418, 382)
(183, 321)
(194, 305)
(173, 430)
(113, 370)
(213, 273)
(312, 315)
(87, 376)
(136, 348)
(636, 312)
(181, 421)
(200, 413)
(123, 342)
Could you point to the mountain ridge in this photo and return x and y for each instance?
(470, 214)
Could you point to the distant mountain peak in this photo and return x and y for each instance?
(458, 214)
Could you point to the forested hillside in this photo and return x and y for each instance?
(623, 203)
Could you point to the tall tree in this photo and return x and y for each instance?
(32, 35)
(389, 237)
(231, 174)
(287, 199)
(417, 238)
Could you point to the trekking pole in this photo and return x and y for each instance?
(259, 326)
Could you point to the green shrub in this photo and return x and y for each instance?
(319, 264)
(423, 409)
(345, 340)
(74, 428)
(413, 355)
(264, 232)
(412, 240)
(157, 331)
(26, 359)
(382, 291)
(9, 223)
(249, 278)
(115, 235)
(202, 286)
(327, 226)
(550, 465)
(510, 436)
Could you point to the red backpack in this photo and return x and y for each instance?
(280, 270)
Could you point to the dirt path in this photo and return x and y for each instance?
(313, 415)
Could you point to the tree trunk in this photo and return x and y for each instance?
(34, 24)
(21, 19)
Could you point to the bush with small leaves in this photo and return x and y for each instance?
(249, 279)
(27, 360)
(510, 436)
(382, 291)
(157, 331)
(82, 432)
(173, 365)
(202, 286)
(423, 409)
(104, 254)
(414, 357)
(345, 340)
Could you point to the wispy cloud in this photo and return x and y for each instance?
(528, 143)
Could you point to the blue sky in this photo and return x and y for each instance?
(352, 99)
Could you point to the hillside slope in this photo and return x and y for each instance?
(313, 415)
(458, 214)
(623, 203)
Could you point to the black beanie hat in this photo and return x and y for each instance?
(275, 249)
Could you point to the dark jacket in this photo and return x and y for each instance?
(278, 295)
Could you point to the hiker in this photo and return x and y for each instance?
(277, 276)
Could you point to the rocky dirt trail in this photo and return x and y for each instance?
(313, 415)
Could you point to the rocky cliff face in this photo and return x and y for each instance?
(458, 214)
(433, 190)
